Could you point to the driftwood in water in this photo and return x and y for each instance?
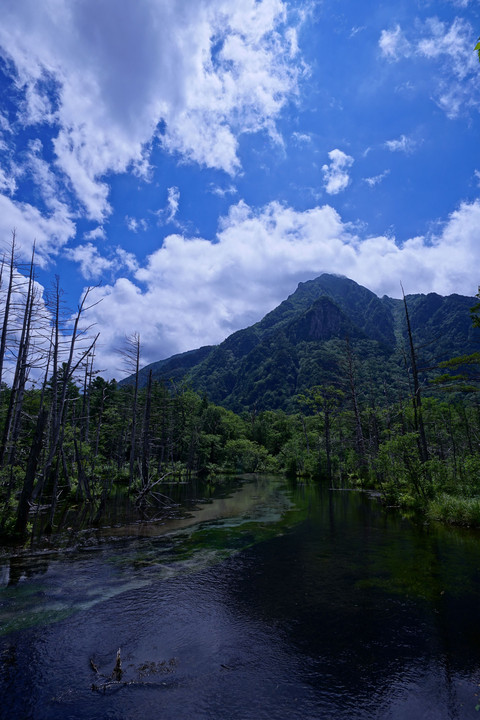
(147, 491)
(117, 680)
(117, 670)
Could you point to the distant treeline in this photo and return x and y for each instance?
(69, 437)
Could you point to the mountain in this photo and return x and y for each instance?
(303, 342)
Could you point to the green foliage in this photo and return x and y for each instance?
(246, 456)
(455, 510)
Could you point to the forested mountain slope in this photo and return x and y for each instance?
(314, 335)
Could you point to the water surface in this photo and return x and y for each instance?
(272, 602)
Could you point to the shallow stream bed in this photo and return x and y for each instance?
(268, 601)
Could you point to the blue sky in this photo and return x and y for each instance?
(195, 160)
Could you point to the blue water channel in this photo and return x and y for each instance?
(269, 601)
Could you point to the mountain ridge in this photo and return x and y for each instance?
(301, 343)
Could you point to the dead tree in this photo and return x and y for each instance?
(359, 439)
(417, 395)
(6, 311)
(130, 354)
(12, 422)
(62, 382)
(146, 439)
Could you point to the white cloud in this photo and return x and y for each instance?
(401, 144)
(45, 180)
(355, 30)
(126, 259)
(208, 71)
(97, 233)
(50, 232)
(50, 225)
(301, 138)
(172, 203)
(393, 43)
(134, 225)
(455, 79)
(460, 3)
(335, 175)
(8, 183)
(222, 191)
(193, 292)
(459, 85)
(450, 42)
(93, 265)
(376, 179)
(168, 213)
(4, 124)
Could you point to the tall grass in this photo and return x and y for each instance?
(455, 510)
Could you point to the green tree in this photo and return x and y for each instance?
(322, 402)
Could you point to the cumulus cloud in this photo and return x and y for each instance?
(335, 175)
(97, 233)
(93, 265)
(192, 76)
(193, 292)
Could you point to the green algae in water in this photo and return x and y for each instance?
(106, 569)
(33, 619)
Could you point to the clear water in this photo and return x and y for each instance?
(274, 602)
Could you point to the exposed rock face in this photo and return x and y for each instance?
(322, 321)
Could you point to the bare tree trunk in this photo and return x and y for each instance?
(83, 484)
(6, 312)
(328, 445)
(99, 422)
(131, 358)
(28, 483)
(359, 439)
(146, 433)
(68, 369)
(87, 384)
(12, 421)
(417, 396)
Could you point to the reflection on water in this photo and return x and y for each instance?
(276, 602)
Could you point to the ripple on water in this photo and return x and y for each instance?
(299, 610)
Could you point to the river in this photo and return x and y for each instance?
(269, 601)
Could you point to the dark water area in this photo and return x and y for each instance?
(269, 602)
